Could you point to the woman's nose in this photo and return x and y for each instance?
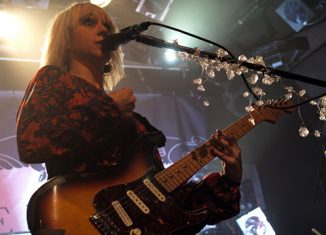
(102, 29)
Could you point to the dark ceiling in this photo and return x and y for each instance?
(291, 169)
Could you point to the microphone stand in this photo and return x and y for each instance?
(156, 42)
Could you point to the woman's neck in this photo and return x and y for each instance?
(89, 72)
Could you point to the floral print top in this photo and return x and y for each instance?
(72, 126)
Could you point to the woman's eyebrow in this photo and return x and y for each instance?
(90, 14)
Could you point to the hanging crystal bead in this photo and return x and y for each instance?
(302, 92)
(258, 91)
(230, 74)
(289, 88)
(317, 133)
(201, 88)
(242, 58)
(259, 60)
(253, 79)
(322, 114)
(221, 52)
(303, 131)
(206, 103)
(313, 102)
(260, 103)
(210, 73)
(268, 80)
(249, 109)
(323, 101)
(288, 96)
(197, 81)
(245, 94)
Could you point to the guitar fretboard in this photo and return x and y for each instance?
(182, 170)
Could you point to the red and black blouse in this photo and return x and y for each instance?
(72, 126)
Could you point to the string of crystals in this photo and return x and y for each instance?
(209, 67)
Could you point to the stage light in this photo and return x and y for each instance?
(295, 13)
(170, 55)
(101, 3)
(40, 4)
(154, 9)
(10, 26)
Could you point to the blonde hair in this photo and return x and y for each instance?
(55, 51)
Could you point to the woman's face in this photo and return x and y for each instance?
(87, 37)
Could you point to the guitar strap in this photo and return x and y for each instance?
(153, 139)
(156, 137)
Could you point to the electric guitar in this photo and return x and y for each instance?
(90, 204)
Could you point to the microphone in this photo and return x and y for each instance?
(111, 42)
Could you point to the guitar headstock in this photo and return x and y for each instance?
(272, 112)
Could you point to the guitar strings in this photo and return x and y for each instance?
(126, 202)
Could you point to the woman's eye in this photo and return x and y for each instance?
(88, 21)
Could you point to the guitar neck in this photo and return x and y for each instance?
(182, 170)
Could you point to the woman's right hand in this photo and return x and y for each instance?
(125, 99)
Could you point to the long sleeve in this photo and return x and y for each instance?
(216, 193)
(61, 116)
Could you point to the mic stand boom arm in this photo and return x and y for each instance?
(156, 42)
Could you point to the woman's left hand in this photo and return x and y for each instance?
(227, 149)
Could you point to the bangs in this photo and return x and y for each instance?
(82, 10)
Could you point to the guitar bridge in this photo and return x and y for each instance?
(104, 225)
